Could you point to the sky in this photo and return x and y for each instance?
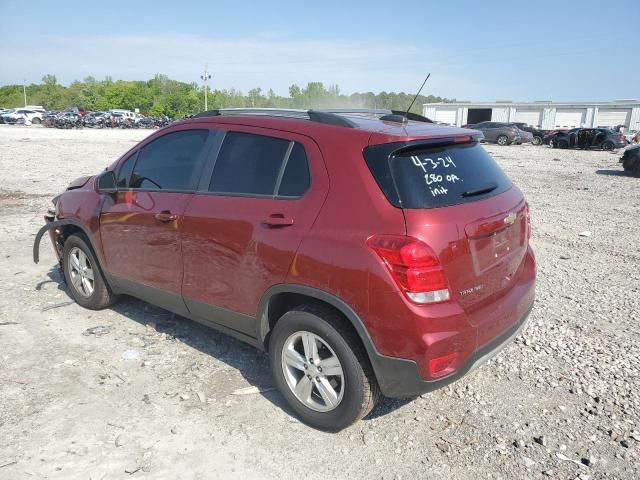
(475, 51)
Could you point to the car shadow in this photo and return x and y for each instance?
(611, 173)
(250, 362)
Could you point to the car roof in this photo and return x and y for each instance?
(372, 121)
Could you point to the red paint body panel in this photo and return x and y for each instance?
(139, 247)
(231, 256)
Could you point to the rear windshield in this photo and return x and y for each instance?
(436, 176)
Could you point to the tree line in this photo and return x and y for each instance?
(164, 96)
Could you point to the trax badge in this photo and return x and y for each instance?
(510, 219)
(469, 291)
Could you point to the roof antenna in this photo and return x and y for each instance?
(417, 94)
(399, 116)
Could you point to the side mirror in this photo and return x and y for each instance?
(106, 183)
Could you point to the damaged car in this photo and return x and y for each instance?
(369, 253)
(588, 138)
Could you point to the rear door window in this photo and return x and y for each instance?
(295, 179)
(437, 176)
(258, 165)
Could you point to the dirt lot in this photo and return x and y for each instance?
(562, 401)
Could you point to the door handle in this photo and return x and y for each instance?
(165, 216)
(277, 220)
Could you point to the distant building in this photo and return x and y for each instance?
(543, 114)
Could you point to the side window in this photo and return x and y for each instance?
(124, 172)
(295, 179)
(169, 162)
(248, 164)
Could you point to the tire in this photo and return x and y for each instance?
(36, 121)
(92, 293)
(608, 146)
(355, 390)
(537, 140)
(503, 140)
(562, 144)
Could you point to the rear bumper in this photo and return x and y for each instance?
(403, 367)
(399, 378)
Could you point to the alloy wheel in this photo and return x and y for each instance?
(81, 272)
(312, 371)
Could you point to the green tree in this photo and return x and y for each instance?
(164, 96)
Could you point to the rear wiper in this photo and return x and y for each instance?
(479, 191)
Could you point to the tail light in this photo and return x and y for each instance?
(414, 266)
(620, 137)
(526, 207)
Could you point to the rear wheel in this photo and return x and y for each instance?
(503, 140)
(321, 369)
(36, 121)
(83, 275)
(608, 146)
(562, 144)
(537, 140)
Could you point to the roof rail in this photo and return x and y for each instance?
(326, 116)
(379, 111)
(313, 115)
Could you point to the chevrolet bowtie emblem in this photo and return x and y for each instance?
(510, 219)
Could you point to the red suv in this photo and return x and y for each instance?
(368, 253)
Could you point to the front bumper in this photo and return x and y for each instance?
(50, 226)
(399, 378)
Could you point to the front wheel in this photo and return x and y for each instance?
(83, 275)
(537, 140)
(503, 140)
(321, 368)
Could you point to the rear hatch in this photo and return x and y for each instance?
(457, 200)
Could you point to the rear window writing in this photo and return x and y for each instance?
(436, 176)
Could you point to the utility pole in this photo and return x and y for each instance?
(24, 90)
(206, 76)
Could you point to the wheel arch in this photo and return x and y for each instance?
(283, 297)
(68, 227)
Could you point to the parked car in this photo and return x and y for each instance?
(81, 112)
(631, 160)
(500, 133)
(537, 134)
(546, 140)
(587, 138)
(120, 113)
(22, 115)
(366, 254)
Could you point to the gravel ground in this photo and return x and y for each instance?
(562, 401)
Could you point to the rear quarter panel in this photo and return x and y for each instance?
(334, 257)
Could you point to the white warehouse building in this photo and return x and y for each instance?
(543, 114)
